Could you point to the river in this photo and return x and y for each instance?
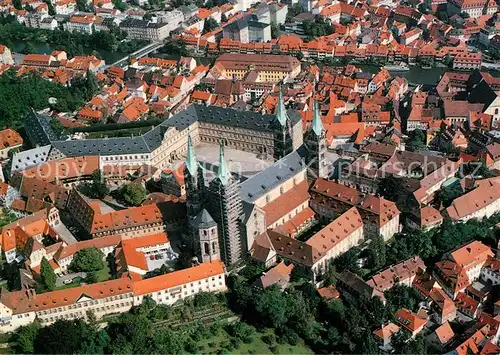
(415, 75)
(419, 76)
(45, 48)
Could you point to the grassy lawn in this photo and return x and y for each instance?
(213, 344)
(103, 275)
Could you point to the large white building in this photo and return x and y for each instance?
(165, 143)
(20, 308)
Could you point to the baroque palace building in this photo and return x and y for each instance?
(269, 135)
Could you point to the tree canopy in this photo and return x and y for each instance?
(416, 141)
(87, 260)
(96, 188)
(18, 94)
(133, 194)
(210, 25)
(47, 275)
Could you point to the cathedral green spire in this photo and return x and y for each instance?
(317, 124)
(223, 174)
(281, 110)
(191, 162)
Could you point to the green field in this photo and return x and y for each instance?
(218, 344)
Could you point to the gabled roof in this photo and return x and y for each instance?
(444, 333)
(28, 301)
(410, 320)
(178, 278)
(386, 331)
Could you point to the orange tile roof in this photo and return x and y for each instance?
(133, 216)
(294, 225)
(443, 301)
(410, 320)
(444, 333)
(178, 278)
(9, 138)
(17, 234)
(474, 200)
(99, 243)
(278, 273)
(472, 254)
(337, 231)
(429, 215)
(62, 169)
(329, 292)
(28, 301)
(285, 203)
(386, 331)
(398, 273)
(132, 253)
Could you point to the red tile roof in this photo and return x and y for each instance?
(178, 278)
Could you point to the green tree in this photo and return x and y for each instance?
(275, 31)
(164, 341)
(120, 5)
(47, 275)
(130, 334)
(417, 141)
(210, 25)
(272, 307)
(52, 11)
(96, 188)
(242, 331)
(394, 189)
(223, 18)
(91, 277)
(348, 261)
(25, 337)
(87, 260)
(377, 253)
(57, 127)
(447, 194)
(17, 4)
(133, 194)
(10, 272)
(66, 337)
(29, 49)
(401, 296)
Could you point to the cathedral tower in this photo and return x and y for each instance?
(282, 127)
(226, 208)
(195, 184)
(316, 146)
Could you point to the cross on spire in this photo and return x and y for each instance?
(317, 124)
(191, 162)
(223, 174)
(281, 114)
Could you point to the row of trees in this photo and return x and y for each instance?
(74, 43)
(129, 333)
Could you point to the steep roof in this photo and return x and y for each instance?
(152, 139)
(386, 331)
(410, 320)
(203, 220)
(178, 278)
(444, 333)
(474, 200)
(28, 301)
(337, 231)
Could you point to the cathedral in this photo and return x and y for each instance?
(222, 223)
